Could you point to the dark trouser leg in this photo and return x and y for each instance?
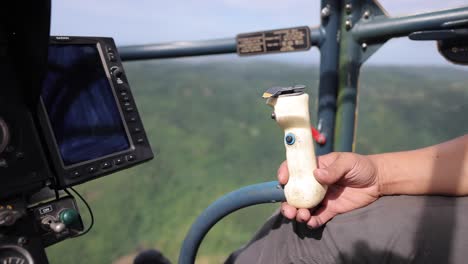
(398, 229)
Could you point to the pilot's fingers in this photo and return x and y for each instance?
(288, 211)
(283, 173)
(303, 215)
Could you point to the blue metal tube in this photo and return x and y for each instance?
(190, 48)
(178, 49)
(328, 86)
(382, 27)
(268, 192)
(349, 65)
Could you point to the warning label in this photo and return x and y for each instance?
(273, 41)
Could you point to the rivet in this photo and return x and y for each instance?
(366, 14)
(348, 8)
(22, 241)
(348, 24)
(325, 12)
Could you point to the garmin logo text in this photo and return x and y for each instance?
(62, 38)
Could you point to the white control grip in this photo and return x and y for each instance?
(292, 114)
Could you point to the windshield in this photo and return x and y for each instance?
(212, 129)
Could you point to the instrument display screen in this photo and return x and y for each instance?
(81, 108)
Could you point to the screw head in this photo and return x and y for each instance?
(366, 14)
(22, 240)
(348, 8)
(364, 46)
(273, 116)
(325, 12)
(348, 24)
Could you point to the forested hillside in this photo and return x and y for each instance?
(212, 133)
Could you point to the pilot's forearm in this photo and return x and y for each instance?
(439, 169)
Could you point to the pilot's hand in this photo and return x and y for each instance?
(352, 181)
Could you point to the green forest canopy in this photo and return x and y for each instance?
(212, 134)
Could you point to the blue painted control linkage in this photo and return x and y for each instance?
(268, 192)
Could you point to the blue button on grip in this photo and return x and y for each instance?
(290, 138)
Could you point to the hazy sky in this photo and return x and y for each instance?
(154, 21)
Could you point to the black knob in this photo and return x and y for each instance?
(273, 116)
(9, 216)
(116, 71)
(4, 135)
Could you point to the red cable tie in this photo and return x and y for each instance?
(318, 137)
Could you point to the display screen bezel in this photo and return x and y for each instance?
(116, 100)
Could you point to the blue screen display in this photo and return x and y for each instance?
(82, 111)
